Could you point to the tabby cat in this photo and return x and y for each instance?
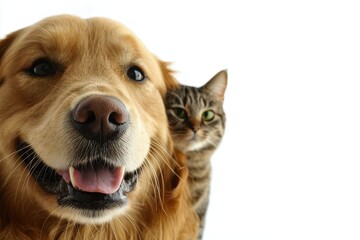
(197, 124)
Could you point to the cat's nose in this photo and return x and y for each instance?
(195, 128)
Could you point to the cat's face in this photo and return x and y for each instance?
(196, 116)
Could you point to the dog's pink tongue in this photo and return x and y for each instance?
(101, 180)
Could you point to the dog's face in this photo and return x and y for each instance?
(80, 110)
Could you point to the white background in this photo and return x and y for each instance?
(289, 163)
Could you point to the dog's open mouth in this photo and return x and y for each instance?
(97, 185)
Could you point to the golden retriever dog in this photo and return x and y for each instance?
(85, 150)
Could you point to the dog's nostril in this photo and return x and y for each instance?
(84, 117)
(90, 118)
(116, 118)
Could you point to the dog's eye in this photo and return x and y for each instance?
(42, 68)
(135, 73)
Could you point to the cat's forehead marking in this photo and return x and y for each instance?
(191, 95)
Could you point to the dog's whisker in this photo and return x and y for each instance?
(159, 186)
(152, 172)
(162, 194)
(15, 153)
(131, 222)
(17, 165)
(51, 213)
(122, 224)
(59, 223)
(66, 230)
(163, 157)
(137, 205)
(151, 183)
(43, 227)
(154, 187)
(12, 171)
(164, 152)
(24, 187)
(28, 176)
(10, 155)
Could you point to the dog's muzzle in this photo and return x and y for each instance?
(92, 181)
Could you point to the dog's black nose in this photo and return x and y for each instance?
(100, 118)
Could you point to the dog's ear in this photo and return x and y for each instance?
(170, 81)
(4, 46)
(6, 42)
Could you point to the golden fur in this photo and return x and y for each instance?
(95, 52)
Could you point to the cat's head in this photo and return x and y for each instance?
(196, 116)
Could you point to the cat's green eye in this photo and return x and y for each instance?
(208, 116)
(180, 113)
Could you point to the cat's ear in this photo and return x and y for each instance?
(217, 85)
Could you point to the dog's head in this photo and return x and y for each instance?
(81, 116)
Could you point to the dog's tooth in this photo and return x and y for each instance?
(72, 178)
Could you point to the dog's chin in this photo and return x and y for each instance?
(81, 203)
(89, 217)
